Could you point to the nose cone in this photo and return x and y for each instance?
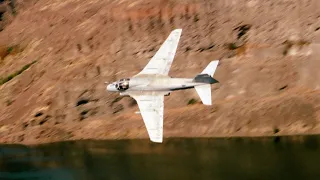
(111, 87)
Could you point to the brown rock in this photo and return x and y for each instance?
(79, 45)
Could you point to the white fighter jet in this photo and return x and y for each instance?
(150, 86)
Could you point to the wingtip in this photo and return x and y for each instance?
(158, 140)
(177, 30)
(208, 103)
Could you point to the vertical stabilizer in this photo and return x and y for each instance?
(211, 68)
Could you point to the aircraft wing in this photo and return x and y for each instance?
(162, 60)
(151, 109)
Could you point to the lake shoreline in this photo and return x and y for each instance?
(290, 137)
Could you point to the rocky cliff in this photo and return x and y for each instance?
(56, 56)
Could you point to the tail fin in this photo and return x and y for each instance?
(211, 68)
(206, 76)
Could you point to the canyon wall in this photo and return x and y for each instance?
(65, 51)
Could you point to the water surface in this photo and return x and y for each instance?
(204, 158)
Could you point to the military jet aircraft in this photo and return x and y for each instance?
(149, 86)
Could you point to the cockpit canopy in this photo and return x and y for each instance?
(122, 84)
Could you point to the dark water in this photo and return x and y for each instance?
(216, 159)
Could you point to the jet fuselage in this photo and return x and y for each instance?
(154, 83)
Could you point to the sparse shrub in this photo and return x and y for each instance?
(8, 50)
(11, 76)
(232, 46)
(196, 18)
(192, 101)
(82, 102)
(9, 102)
(242, 30)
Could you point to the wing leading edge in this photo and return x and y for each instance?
(151, 109)
(162, 60)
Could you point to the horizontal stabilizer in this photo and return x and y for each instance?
(204, 92)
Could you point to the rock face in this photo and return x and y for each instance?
(7, 12)
(56, 56)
